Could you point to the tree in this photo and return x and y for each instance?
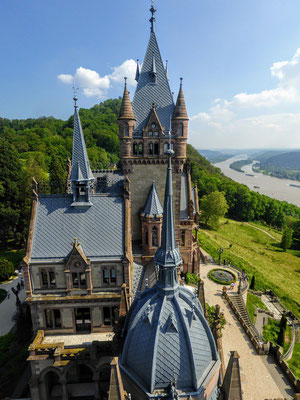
(281, 335)
(57, 178)
(287, 239)
(6, 269)
(252, 283)
(213, 206)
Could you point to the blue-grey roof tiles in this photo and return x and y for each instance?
(153, 205)
(148, 92)
(80, 163)
(99, 229)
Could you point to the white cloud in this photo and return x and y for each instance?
(95, 85)
(268, 124)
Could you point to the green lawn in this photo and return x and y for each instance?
(2, 295)
(252, 303)
(258, 254)
(294, 362)
(13, 255)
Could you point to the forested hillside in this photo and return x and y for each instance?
(40, 148)
(283, 165)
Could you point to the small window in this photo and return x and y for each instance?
(107, 315)
(140, 149)
(182, 238)
(52, 279)
(156, 133)
(105, 276)
(156, 149)
(53, 318)
(150, 149)
(150, 133)
(135, 149)
(154, 237)
(180, 130)
(153, 126)
(126, 130)
(82, 279)
(44, 276)
(113, 276)
(147, 238)
(75, 280)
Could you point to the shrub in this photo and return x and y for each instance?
(252, 284)
(191, 278)
(6, 269)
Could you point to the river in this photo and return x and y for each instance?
(279, 189)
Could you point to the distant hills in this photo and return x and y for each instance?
(280, 164)
(215, 156)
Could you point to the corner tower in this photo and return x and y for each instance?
(151, 125)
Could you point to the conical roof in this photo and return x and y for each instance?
(81, 170)
(126, 111)
(153, 206)
(147, 92)
(180, 108)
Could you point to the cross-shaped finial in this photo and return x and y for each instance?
(152, 19)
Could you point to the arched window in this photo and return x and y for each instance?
(154, 237)
(156, 149)
(146, 238)
(126, 129)
(135, 149)
(140, 149)
(150, 133)
(180, 130)
(155, 134)
(105, 276)
(150, 149)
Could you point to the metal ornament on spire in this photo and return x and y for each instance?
(75, 98)
(152, 19)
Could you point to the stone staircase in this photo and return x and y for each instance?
(239, 304)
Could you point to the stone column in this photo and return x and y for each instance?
(89, 283)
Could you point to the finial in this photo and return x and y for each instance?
(167, 70)
(152, 19)
(138, 72)
(181, 79)
(75, 98)
(125, 79)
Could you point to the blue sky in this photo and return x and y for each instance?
(238, 59)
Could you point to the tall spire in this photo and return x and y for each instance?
(81, 173)
(152, 19)
(126, 111)
(168, 256)
(180, 108)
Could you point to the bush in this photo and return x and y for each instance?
(6, 269)
(191, 278)
(252, 284)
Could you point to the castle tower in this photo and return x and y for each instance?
(147, 128)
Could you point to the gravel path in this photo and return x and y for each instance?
(262, 230)
(261, 378)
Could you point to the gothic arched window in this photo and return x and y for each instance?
(150, 149)
(126, 129)
(135, 149)
(156, 149)
(140, 149)
(154, 237)
(113, 275)
(180, 130)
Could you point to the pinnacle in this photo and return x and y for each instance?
(126, 111)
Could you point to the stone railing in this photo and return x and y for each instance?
(277, 351)
(249, 328)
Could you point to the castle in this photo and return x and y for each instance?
(109, 251)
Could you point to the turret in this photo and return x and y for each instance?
(81, 174)
(180, 123)
(126, 123)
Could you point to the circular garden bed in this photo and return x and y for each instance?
(222, 276)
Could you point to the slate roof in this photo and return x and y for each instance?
(148, 92)
(153, 205)
(99, 229)
(80, 163)
(168, 337)
(184, 199)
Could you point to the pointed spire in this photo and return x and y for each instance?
(180, 108)
(167, 70)
(152, 19)
(81, 170)
(168, 256)
(126, 111)
(138, 70)
(153, 206)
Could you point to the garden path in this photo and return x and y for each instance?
(261, 377)
(8, 306)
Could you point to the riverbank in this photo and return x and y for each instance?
(276, 188)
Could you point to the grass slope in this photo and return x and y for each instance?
(258, 254)
(254, 302)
